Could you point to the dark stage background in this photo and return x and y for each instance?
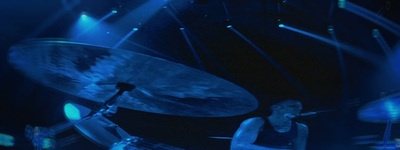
(312, 67)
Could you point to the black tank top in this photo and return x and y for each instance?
(268, 137)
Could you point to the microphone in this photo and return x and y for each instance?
(290, 116)
(307, 114)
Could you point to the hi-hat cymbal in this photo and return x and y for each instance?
(382, 110)
(92, 72)
(104, 132)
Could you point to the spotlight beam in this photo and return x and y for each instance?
(196, 56)
(145, 48)
(345, 82)
(95, 24)
(371, 16)
(271, 60)
(141, 14)
(174, 16)
(351, 49)
(53, 18)
(211, 56)
(226, 10)
(125, 37)
(189, 34)
(382, 42)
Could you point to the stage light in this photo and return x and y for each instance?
(269, 58)
(370, 15)
(281, 25)
(71, 112)
(125, 37)
(330, 29)
(196, 56)
(348, 48)
(114, 11)
(83, 15)
(6, 140)
(48, 143)
(342, 3)
(382, 42)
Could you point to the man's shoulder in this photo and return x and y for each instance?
(302, 128)
(254, 121)
(301, 125)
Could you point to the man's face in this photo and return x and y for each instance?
(291, 107)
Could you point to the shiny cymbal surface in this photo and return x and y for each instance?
(92, 72)
(382, 110)
(101, 130)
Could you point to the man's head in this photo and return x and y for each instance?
(288, 106)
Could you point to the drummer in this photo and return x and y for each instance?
(274, 132)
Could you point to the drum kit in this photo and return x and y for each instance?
(123, 79)
(117, 78)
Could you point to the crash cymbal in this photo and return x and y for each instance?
(165, 87)
(382, 110)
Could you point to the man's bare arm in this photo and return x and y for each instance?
(301, 140)
(247, 134)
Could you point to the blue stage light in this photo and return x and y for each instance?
(229, 26)
(342, 3)
(6, 140)
(83, 16)
(71, 112)
(125, 37)
(114, 11)
(371, 16)
(348, 48)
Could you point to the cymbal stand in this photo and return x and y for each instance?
(386, 137)
(111, 104)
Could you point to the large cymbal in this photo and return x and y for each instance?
(382, 110)
(91, 72)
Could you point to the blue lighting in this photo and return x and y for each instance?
(281, 25)
(114, 11)
(181, 29)
(330, 29)
(125, 37)
(71, 112)
(87, 29)
(83, 16)
(85, 22)
(145, 11)
(48, 143)
(392, 110)
(229, 26)
(269, 58)
(371, 16)
(382, 42)
(6, 140)
(353, 50)
(342, 3)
